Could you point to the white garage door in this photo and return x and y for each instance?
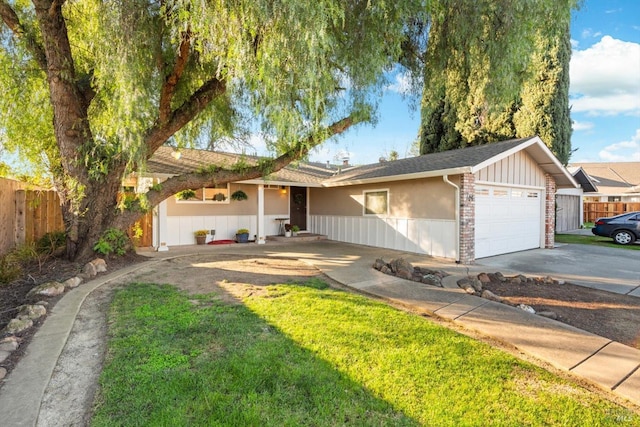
(507, 220)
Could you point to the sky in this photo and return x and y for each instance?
(604, 95)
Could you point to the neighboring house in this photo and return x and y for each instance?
(569, 201)
(461, 204)
(614, 182)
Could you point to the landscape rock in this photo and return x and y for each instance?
(73, 282)
(432, 279)
(515, 280)
(484, 278)
(32, 311)
(527, 308)
(548, 314)
(466, 285)
(379, 263)
(386, 269)
(3, 373)
(548, 280)
(487, 294)
(100, 265)
(9, 344)
(560, 282)
(477, 284)
(500, 277)
(4, 355)
(49, 289)
(89, 270)
(402, 268)
(16, 326)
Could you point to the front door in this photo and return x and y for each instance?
(298, 203)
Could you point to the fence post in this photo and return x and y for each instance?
(21, 208)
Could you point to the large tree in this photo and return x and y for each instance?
(91, 89)
(504, 75)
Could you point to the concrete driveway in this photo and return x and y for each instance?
(610, 269)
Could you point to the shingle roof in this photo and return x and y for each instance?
(163, 162)
(464, 157)
(613, 178)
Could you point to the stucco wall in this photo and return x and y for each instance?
(275, 203)
(423, 198)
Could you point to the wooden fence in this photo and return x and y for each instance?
(27, 215)
(8, 188)
(595, 210)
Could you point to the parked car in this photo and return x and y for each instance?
(624, 229)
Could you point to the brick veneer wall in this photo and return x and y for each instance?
(467, 219)
(549, 211)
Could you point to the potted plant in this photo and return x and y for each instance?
(186, 194)
(242, 235)
(201, 236)
(294, 230)
(219, 197)
(287, 230)
(239, 195)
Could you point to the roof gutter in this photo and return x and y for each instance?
(445, 178)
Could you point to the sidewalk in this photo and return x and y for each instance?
(611, 365)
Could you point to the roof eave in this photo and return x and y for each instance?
(543, 157)
(402, 177)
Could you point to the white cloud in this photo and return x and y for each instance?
(574, 44)
(605, 78)
(589, 33)
(622, 151)
(580, 126)
(401, 84)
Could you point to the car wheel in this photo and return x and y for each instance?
(623, 237)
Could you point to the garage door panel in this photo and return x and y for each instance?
(507, 220)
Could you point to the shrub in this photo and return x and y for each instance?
(113, 241)
(9, 269)
(51, 242)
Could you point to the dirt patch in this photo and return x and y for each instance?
(233, 277)
(603, 313)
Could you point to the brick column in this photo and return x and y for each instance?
(549, 211)
(467, 230)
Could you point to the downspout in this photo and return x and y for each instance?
(445, 178)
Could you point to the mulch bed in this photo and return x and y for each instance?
(603, 313)
(14, 294)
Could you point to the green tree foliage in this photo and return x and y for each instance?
(91, 89)
(497, 69)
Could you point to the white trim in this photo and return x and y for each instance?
(405, 177)
(502, 184)
(262, 236)
(364, 202)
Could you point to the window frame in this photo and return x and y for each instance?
(205, 191)
(365, 207)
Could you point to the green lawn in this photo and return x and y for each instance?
(594, 240)
(310, 355)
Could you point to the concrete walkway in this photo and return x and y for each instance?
(608, 364)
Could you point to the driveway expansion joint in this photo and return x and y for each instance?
(590, 356)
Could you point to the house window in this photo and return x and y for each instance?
(214, 194)
(614, 199)
(376, 202)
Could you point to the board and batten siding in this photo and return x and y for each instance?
(421, 216)
(519, 169)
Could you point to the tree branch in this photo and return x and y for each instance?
(163, 130)
(171, 81)
(11, 20)
(222, 176)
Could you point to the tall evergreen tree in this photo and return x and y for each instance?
(471, 97)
